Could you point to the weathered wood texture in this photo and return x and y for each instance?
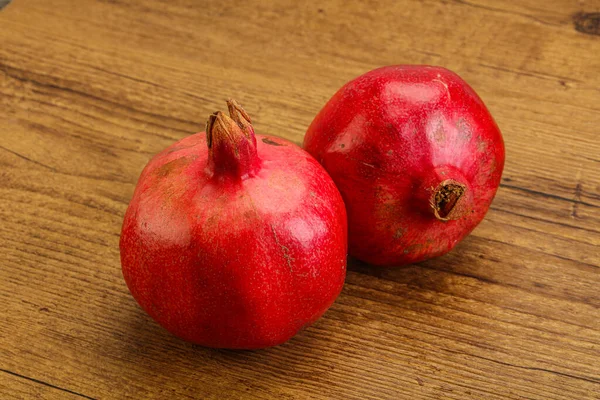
(90, 90)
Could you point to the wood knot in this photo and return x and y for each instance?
(587, 23)
(4, 3)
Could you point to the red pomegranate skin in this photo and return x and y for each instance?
(417, 157)
(237, 246)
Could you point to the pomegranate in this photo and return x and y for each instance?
(234, 240)
(417, 157)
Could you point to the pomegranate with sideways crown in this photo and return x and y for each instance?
(417, 157)
(234, 240)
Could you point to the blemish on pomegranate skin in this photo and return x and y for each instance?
(271, 142)
(464, 130)
(481, 145)
(171, 166)
(493, 166)
(439, 135)
(398, 234)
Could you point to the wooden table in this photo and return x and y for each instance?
(90, 90)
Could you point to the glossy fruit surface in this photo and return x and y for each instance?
(417, 157)
(232, 239)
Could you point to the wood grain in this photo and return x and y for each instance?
(89, 93)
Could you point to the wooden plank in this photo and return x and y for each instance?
(88, 94)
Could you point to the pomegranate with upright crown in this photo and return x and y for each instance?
(416, 156)
(234, 240)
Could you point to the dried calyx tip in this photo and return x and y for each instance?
(240, 116)
(235, 108)
(209, 128)
(220, 122)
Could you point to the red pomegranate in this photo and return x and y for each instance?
(234, 240)
(417, 157)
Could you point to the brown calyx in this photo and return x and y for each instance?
(220, 124)
(446, 200)
(231, 143)
(241, 117)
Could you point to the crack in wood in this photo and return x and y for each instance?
(583, 378)
(40, 382)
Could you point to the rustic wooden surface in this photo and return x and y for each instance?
(90, 90)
